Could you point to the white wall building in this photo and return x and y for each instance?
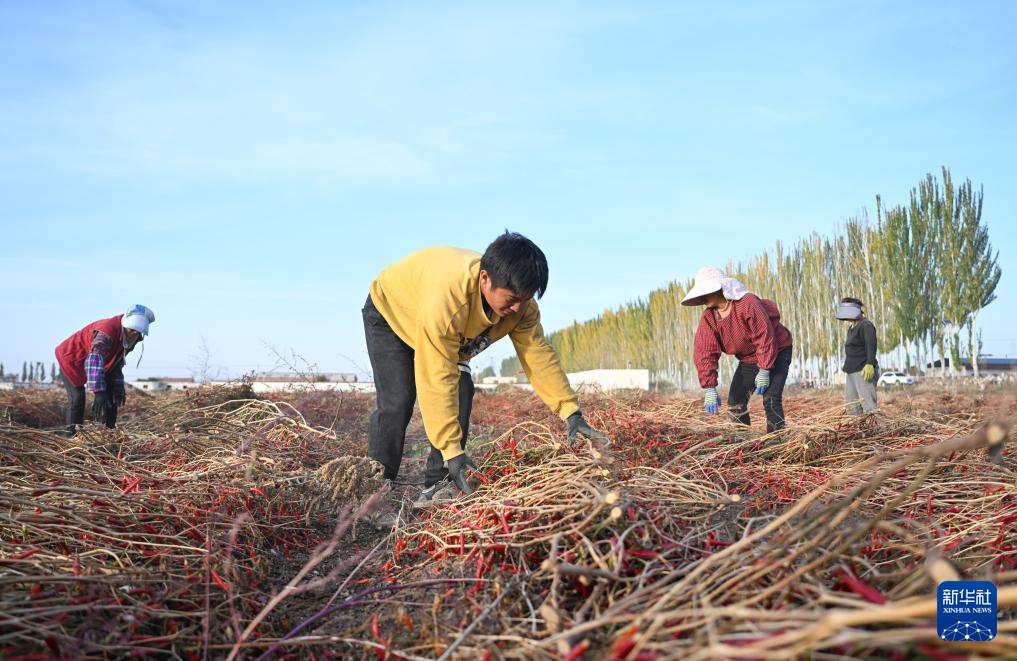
(632, 379)
(162, 384)
(499, 380)
(335, 386)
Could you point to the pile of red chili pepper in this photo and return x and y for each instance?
(126, 542)
(690, 537)
(696, 538)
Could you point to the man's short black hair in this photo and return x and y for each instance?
(852, 299)
(515, 263)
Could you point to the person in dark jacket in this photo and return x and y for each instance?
(93, 358)
(738, 322)
(860, 364)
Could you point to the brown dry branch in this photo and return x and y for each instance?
(185, 530)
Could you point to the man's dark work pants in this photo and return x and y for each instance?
(743, 383)
(396, 391)
(76, 408)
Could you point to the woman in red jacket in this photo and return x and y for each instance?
(740, 323)
(94, 357)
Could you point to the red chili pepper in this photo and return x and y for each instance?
(577, 651)
(376, 628)
(712, 541)
(624, 644)
(480, 566)
(644, 554)
(25, 554)
(129, 484)
(861, 588)
(218, 579)
(53, 646)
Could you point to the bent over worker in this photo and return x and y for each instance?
(738, 322)
(425, 318)
(93, 357)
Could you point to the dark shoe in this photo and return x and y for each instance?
(388, 520)
(436, 494)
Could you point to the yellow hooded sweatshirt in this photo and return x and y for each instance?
(432, 301)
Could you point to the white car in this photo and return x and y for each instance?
(895, 379)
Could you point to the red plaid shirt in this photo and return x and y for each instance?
(752, 332)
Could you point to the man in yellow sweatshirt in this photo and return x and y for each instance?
(426, 317)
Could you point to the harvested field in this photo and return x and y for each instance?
(218, 525)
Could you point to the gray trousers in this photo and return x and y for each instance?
(396, 390)
(856, 388)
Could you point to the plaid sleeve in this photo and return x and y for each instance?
(760, 332)
(705, 353)
(102, 344)
(96, 380)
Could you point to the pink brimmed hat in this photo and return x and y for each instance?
(710, 279)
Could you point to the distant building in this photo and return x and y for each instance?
(17, 384)
(334, 386)
(606, 379)
(499, 380)
(628, 379)
(158, 383)
(987, 366)
(311, 377)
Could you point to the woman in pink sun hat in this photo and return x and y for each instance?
(739, 323)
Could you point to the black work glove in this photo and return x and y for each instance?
(457, 469)
(119, 394)
(100, 403)
(577, 425)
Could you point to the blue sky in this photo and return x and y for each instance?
(245, 169)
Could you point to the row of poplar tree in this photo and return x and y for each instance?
(924, 269)
(32, 372)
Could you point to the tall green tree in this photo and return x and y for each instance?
(979, 263)
(946, 208)
(24, 371)
(510, 366)
(909, 251)
(919, 265)
(484, 373)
